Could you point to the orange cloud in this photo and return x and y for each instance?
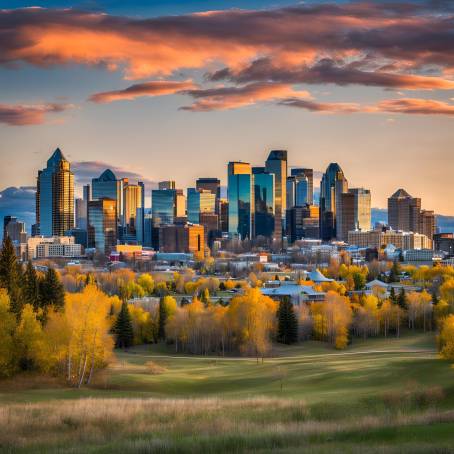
(153, 88)
(416, 106)
(223, 98)
(314, 106)
(22, 115)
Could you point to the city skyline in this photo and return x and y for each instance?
(167, 86)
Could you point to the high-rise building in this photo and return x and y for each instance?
(363, 218)
(209, 184)
(241, 200)
(102, 225)
(263, 183)
(404, 213)
(224, 215)
(333, 184)
(109, 187)
(55, 196)
(168, 184)
(163, 206)
(309, 174)
(291, 192)
(133, 199)
(345, 219)
(14, 229)
(277, 164)
(180, 203)
(200, 201)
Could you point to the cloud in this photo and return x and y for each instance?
(314, 106)
(153, 88)
(416, 106)
(222, 98)
(396, 34)
(28, 114)
(329, 71)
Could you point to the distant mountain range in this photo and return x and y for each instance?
(20, 202)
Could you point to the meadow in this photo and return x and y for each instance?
(379, 395)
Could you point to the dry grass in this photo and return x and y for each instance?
(154, 368)
(202, 424)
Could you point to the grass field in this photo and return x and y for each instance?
(378, 395)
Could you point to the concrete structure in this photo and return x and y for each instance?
(182, 238)
(380, 238)
(54, 246)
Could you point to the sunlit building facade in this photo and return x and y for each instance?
(200, 201)
(263, 183)
(163, 207)
(102, 225)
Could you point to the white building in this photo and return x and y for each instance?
(39, 247)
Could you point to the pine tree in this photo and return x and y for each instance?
(30, 289)
(162, 319)
(124, 334)
(402, 299)
(392, 296)
(287, 323)
(394, 272)
(9, 274)
(52, 291)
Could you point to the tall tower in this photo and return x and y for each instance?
(332, 185)
(241, 199)
(277, 164)
(55, 196)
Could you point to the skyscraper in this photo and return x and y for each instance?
(102, 225)
(263, 202)
(241, 199)
(108, 186)
(345, 219)
(302, 222)
(309, 174)
(362, 208)
(333, 184)
(277, 164)
(405, 213)
(55, 196)
(209, 184)
(133, 200)
(200, 201)
(168, 184)
(163, 206)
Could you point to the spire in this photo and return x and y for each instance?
(401, 194)
(56, 158)
(107, 175)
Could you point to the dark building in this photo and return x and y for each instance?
(182, 238)
(80, 236)
(302, 222)
(444, 242)
(264, 202)
(345, 221)
(309, 174)
(224, 215)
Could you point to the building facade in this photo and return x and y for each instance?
(102, 225)
(264, 207)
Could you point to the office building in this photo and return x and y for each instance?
(209, 184)
(405, 213)
(333, 184)
(309, 174)
(363, 218)
(55, 197)
(180, 203)
(14, 229)
(224, 215)
(276, 163)
(263, 183)
(444, 242)
(107, 186)
(163, 206)
(200, 201)
(182, 238)
(40, 247)
(102, 225)
(302, 222)
(345, 219)
(132, 199)
(241, 200)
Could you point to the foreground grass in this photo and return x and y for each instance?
(378, 396)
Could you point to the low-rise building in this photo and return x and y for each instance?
(380, 237)
(39, 247)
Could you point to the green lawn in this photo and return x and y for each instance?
(402, 380)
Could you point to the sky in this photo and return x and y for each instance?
(162, 90)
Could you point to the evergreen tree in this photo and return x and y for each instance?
(222, 287)
(162, 319)
(30, 289)
(402, 299)
(9, 274)
(52, 291)
(394, 272)
(392, 296)
(287, 331)
(124, 334)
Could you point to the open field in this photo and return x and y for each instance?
(377, 395)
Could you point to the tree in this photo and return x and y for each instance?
(30, 288)
(29, 340)
(287, 325)
(392, 296)
(446, 339)
(402, 299)
(7, 328)
(9, 275)
(147, 283)
(167, 306)
(360, 280)
(394, 272)
(124, 334)
(52, 291)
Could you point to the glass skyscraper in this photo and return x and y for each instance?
(264, 201)
(102, 225)
(200, 201)
(163, 206)
(241, 200)
(277, 164)
(108, 186)
(55, 196)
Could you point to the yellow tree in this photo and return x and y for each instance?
(447, 292)
(147, 283)
(446, 338)
(7, 328)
